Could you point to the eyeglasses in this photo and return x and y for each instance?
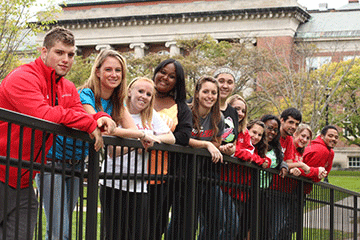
(275, 130)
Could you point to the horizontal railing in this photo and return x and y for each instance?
(180, 194)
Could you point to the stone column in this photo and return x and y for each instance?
(139, 51)
(174, 50)
(100, 47)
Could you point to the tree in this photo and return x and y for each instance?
(18, 22)
(287, 83)
(345, 103)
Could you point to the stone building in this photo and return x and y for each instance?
(144, 26)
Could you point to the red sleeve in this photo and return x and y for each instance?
(27, 94)
(289, 153)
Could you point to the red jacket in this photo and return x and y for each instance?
(31, 89)
(316, 155)
(239, 174)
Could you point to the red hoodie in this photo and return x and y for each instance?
(316, 155)
(239, 174)
(31, 89)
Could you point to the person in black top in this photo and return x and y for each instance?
(170, 103)
(226, 79)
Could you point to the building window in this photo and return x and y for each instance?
(313, 63)
(345, 58)
(354, 162)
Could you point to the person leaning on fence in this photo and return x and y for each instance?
(169, 103)
(226, 79)
(39, 89)
(105, 90)
(319, 155)
(269, 211)
(134, 222)
(208, 127)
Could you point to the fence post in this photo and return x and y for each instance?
(355, 217)
(300, 222)
(332, 210)
(92, 194)
(190, 212)
(255, 202)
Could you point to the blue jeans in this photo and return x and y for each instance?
(220, 219)
(59, 201)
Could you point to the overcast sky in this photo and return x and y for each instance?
(314, 4)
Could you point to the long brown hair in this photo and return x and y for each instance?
(215, 110)
(118, 96)
(262, 145)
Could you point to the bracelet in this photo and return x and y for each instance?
(143, 136)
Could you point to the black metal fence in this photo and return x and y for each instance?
(170, 192)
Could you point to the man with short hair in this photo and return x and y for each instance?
(319, 155)
(289, 121)
(39, 89)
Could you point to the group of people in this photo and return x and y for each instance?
(153, 111)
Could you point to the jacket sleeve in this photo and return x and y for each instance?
(247, 156)
(182, 131)
(314, 159)
(26, 95)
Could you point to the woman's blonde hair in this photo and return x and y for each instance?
(118, 96)
(147, 113)
(300, 129)
(243, 122)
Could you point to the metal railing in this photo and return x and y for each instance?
(180, 193)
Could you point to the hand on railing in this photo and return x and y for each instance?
(99, 142)
(265, 164)
(107, 124)
(148, 140)
(295, 171)
(227, 149)
(215, 152)
(283, 172)
(322, 173)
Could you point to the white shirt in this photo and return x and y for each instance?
(137, 161)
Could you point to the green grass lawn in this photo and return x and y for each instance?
(345, 179)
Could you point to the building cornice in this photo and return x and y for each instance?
(192, 17)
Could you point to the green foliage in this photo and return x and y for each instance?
(81, 69)
(18, 22)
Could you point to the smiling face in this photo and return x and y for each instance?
(207, 95)
(110, 73)
(331, 138)
(302, 139)
(256, 133)
(271, 129)
(165, 79)
(226, 83)
(289, 126)
(140, 96)
(59, 57)
(240, 108)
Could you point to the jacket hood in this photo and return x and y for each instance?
(318, 141)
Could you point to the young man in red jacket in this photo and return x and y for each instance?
(39, 89)
(319, 154)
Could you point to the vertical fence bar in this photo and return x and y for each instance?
(300, 222)
(254, 197)
(332, 210)
(190, 214)
(92, 194)
(355, 217)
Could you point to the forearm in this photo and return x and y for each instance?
(195, 143)
(128, 133)
(167, 138)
